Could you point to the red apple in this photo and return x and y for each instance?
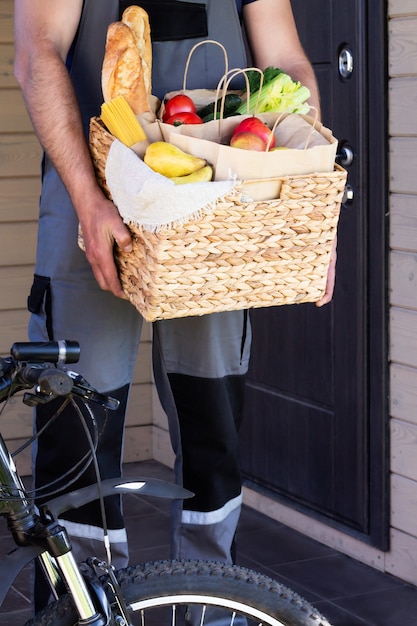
(248, 141)
(257, 126)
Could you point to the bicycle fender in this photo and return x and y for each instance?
(12, 564)
(113, 486)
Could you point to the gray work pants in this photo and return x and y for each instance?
(199, 366)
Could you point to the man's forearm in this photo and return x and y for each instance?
(303, 71)
(55, 115)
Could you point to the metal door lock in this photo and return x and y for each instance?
(348, 195)
(345, 62)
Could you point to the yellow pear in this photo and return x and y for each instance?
(203, 175)
(170, 161)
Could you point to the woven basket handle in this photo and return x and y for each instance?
(194, 48)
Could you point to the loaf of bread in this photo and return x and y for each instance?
(138, 21)
(127, 64)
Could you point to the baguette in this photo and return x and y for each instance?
(127, 63)
(138, 21)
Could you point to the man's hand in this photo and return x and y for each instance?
(101, 230)
(331, 276)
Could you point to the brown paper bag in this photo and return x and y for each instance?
(310, 147)
(150, 125)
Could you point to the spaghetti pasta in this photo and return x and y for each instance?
(120, 120)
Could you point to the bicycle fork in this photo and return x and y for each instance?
(61, 569)
(64, 569)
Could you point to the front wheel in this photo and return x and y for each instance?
(197, 593)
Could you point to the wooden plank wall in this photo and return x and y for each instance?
(19, 192)
(402, 558)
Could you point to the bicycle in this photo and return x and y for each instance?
(93, 593)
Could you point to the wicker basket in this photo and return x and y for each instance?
(242, 255)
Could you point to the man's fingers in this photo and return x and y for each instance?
(331, 277)
(108, 280)
(123, 238)
(104, 269)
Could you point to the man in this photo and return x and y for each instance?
(199, 363)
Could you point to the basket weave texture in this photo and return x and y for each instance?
(241, 255)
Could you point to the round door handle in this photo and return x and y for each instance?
(345, 155)
(345, 62)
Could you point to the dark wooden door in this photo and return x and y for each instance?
(314, 433)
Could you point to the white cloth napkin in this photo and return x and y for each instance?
(152, 201)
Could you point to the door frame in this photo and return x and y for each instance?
(378, 271)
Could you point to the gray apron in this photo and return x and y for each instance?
(199, 362)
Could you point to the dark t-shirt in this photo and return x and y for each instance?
(241, 3)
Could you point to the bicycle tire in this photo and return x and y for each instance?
(150, 588)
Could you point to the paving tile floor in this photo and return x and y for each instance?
(346, 591)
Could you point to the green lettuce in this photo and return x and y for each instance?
(278, 93)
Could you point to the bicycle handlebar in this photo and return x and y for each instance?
(50, 380)
(30, 366)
